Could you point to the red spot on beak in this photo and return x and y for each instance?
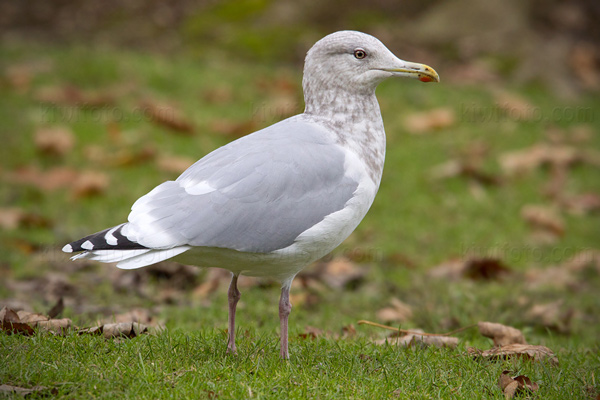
(425, 79)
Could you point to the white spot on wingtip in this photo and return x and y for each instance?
(68, 248)
(87, 245)
(110, 238)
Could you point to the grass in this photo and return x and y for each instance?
(416, 223)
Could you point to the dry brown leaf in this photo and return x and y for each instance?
(25, 392)
(513, 385)
(123, 329)
(10, 218)
(501, 334)
(57, 309)
(524, 351)
(476, 268)
(31, 318)
(348, 331)
(233, 129)
(129, 157)
(543, 218)
(55, 178)
(582, 204)
(559, 277)
(174, 164)
(341, 272)
(552, 316)
(583, 62)
(436, 119)
(516, 107)
(580, 262)
(167, 115)
(19, 77)
(538, 155)
(398, 311)
(218, 95)
(54, 141)
(89, 183)
(73, 96)
(58, 326)
(413, 339)
(464, 168)
(213, 279)
(116, 330)
(140, 315)
(310, 332)
(11, 323)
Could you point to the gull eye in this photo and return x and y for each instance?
(360, 54)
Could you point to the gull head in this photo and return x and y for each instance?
(355, 61)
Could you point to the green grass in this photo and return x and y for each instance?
(416, 223)
(180, 364)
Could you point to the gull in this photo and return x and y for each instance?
(274, 201)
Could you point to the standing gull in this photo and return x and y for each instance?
(276, 200)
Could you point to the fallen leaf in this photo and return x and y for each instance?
(511, 386)
(140, 315)
(475, 268)
(58, 326)
(516, 107)
(168, 116)
(25, 392)
(464, 168)
(348, 331)
(552, 316)
(126, 329)
(89, 183)
(501, 334)
(218, 95)
(128, 157)
(54, 141)
(10, 218)
(54, 178)
(582, 261)
(558, 277)
(541, 154)
(117, 330)
(543, 218)
(341, 273)
(57, 309)
(233, 128)
(73, 96)
(11, 323)
(310, 332)
(436, 119)
(413, 339)
(582, 204)
(524, 351)
(214, 278)
(174, 164)
(398, 311)
(584, 62)
(31, 318)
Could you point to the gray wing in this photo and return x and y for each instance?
(256, 194)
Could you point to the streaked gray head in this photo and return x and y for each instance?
(356, 62)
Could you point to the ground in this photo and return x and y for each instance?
(488, 211)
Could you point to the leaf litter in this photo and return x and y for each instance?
(511, 386)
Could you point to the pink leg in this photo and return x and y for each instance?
(233, 296)
(285, 307)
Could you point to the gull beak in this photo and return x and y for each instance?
(415, 70)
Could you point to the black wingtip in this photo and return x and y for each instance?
(103, 241)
